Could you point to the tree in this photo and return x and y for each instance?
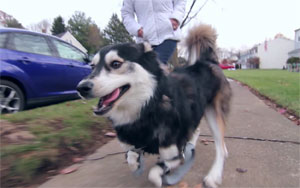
(79, 27)
(58, 26)
(95, 38)
(86, 32)
(13, 23)
(115, 32)
(188, 18)
(42, 26)
(253, 62)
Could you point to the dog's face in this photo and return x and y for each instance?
(121, 81)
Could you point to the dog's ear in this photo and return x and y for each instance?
(145, 47)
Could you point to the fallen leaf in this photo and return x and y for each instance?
(110, 134)
(69, 170)
(205, 141)
(292, 117)
(51, 171)
(73, 149)
(241, 170)
(198, 186)
(183, 184)
(282, 110)
(77, 159)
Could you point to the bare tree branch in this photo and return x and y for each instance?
(42, 26)
(184, 20)
(187, 19)
(198, 10)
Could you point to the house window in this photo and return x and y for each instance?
(298, 38)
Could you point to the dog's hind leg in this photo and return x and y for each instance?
(215, 120)
(169, 159)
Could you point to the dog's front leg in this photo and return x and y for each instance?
(169, 159)
(133, 157)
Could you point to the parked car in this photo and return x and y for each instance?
(226, 66)
(37, 68)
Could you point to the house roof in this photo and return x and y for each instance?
(61, 34)
(294, 51)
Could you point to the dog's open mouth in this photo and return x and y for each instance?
(106, 102)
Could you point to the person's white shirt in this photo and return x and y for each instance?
(154, 17)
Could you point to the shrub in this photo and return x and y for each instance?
(292, 60)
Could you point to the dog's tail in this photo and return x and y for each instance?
(201, 44)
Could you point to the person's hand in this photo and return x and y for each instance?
(140, 32)
(175, 24)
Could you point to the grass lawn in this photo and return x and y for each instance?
(60, 132)
(279, 85)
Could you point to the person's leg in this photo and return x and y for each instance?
(165, 50)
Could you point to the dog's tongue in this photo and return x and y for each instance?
(111, 97)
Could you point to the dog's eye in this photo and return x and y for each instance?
(115, 64)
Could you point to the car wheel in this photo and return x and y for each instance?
(11, 97)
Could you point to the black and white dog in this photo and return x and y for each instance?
(157, 111)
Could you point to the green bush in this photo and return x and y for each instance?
(292, 60)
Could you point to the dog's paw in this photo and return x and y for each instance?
(212, 180)
(155, 176)
(132, 159)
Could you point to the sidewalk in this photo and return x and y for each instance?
(270, 163)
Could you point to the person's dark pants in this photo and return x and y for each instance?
(165, 50)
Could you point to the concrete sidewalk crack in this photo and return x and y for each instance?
(107, 155)
(257, 139)
(205, 135)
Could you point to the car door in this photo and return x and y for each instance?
(34, 56)
(78, 68)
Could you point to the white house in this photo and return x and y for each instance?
(273, 54)
(246, 56)
(68, 37)
(296, 51)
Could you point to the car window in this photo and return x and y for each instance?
(30, 43)
(68, 52)
(2, 39)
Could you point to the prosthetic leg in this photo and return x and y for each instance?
(179, 172)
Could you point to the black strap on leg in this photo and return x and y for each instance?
(176, 175)
(165, 168)
(139, 171)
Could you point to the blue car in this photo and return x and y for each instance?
(37, 68)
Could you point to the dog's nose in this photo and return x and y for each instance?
(85, 88)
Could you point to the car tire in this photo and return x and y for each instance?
(11, 97)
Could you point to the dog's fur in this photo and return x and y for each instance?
(159, 112)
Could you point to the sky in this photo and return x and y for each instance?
(240, 24)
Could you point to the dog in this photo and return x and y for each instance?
(157, 111)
